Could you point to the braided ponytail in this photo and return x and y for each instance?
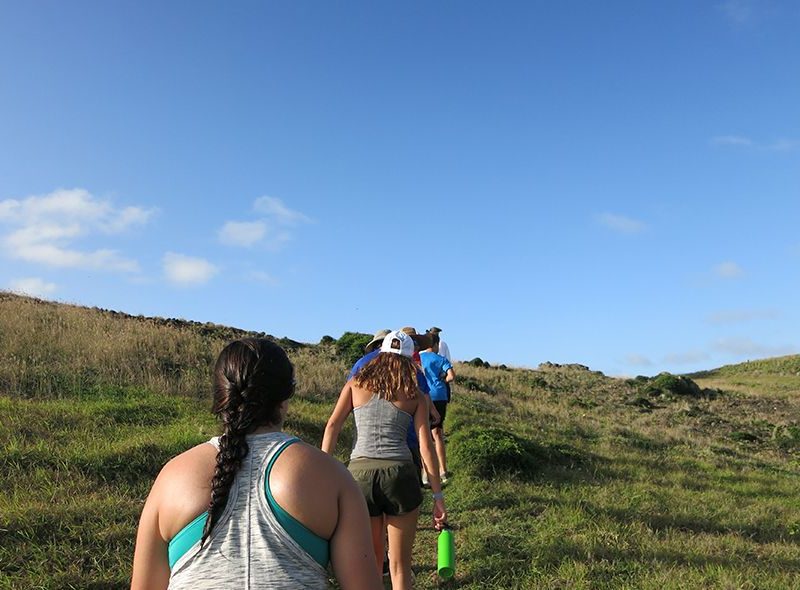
(251, 379)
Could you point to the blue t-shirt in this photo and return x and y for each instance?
(435, 367)
(422, 383)
(363, 361)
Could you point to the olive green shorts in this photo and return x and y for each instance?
(390, 487)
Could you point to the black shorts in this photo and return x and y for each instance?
(389, 487)
(441, 407)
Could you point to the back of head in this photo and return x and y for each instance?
(434, 339)
(252, 377)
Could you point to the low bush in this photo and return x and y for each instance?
(667, 384)
(350, 347)
(488, 452)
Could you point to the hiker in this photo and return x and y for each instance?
(439, 373)
(254, 507)
(444, 350)
(384, 398)
(421, 341)
(371, 351)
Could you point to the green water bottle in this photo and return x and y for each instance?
(446, 554)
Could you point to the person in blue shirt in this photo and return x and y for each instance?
(438, 373)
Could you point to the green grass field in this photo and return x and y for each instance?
(563, 478)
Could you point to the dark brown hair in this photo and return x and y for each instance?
(251, 379)
(392, 376)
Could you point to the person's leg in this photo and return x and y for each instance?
(402, 530)
(378, 527)
(438, 437)
(441, 454)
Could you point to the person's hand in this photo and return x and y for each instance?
(435, 417)
(439, 514)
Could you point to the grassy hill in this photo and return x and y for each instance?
(564, 478)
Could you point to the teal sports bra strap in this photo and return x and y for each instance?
(186, 537)
(313, 544)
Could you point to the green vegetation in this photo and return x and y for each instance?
(563, 477)
(350, 347)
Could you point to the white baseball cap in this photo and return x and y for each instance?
(398, 342)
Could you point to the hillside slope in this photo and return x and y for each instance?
(563, 477)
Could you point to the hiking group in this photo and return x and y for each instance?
(257, 508)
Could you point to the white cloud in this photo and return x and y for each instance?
(43, 229)
(783, 145)
(728, 270)
(271, 229)
(277, 211)
(242, 233)
(185, 270)
(620, 223)
(262, 277)
(738, 11)
(32, 286)
(687, 358)
(743, 346)
(732, 140)
(638, 360)
(738, 141)
(738, 316)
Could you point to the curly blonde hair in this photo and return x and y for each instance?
(391, 376)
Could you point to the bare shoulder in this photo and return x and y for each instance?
(197, 462)
(309, 485)
(182, 489)
(303, 460)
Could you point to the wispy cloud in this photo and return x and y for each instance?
(687, 358)
(732, 140)
(44, 229)
(738, 12)
(740, 316)
(276, 210)
(621, 224)
(272, 228)
(738, 141)
(242, 233)
(262, 277)
(183, 270)
(638, 360)
(32, 286)
(728, 270)
(743, 346)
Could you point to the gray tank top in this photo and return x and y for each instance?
(381, 429)
(248, 548)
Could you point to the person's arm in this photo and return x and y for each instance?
(352, 555)
(150, 558)
(344, 405)
(431, 462)
(450, 376)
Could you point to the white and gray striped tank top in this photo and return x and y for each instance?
(248, 548)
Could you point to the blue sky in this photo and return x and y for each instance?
(614, 184)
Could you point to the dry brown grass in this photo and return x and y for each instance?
(57, 350)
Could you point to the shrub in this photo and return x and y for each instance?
(488, 452)
(478, 362)
(350, 347)
(666, 384)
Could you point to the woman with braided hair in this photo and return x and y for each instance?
(255, 507)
